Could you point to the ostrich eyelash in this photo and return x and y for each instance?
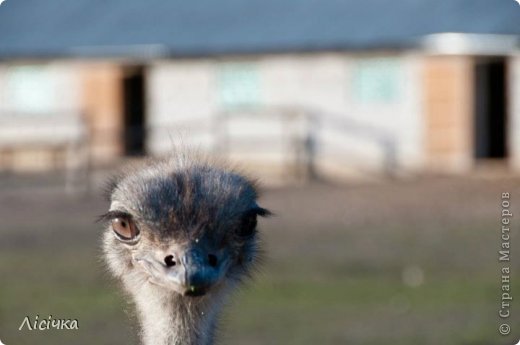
(262, 212)
(111, 215)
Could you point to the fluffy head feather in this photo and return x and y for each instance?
(193, 232)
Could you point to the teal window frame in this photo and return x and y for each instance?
(238, 86)
(377, 80)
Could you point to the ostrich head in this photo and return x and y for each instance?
(181, 232)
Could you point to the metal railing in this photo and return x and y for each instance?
(63, 135)
(303, 132)
(298, 140)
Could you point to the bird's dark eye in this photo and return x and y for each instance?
(125, 229)
(248, 225)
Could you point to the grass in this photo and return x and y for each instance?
(283, 307)
(328, 279)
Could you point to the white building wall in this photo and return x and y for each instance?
(323, 83)
(55, 84)
(40, 103)
(183, 99)
(514, 111)
(180, 104)
(40, 113)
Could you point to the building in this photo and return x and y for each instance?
(337, 88)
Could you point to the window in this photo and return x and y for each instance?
(238, 86)
(376, 80)
(30, 90)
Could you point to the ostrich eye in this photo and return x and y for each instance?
(125, 229)
(249, 220)
(248, 226)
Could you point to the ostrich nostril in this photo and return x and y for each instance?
(212, 260)
(170, 261)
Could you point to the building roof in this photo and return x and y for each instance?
(53, 28)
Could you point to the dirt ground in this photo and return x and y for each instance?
(410, 261)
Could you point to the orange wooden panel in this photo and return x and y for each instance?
(103, 103)
(448, 97)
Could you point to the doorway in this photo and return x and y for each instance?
(134, 108)
(490, 109)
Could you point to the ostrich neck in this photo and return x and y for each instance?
(167, 318)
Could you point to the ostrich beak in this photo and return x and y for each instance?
(194, 272)
(190, 272)
(199, 275)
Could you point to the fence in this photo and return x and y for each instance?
(296, 136)
(63, 136)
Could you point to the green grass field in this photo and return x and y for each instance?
(409, 262)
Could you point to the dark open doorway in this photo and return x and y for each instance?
(490, 109)
(134, 107)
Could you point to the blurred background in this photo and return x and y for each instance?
(384, 133)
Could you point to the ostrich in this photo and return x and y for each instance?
(181, 235)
